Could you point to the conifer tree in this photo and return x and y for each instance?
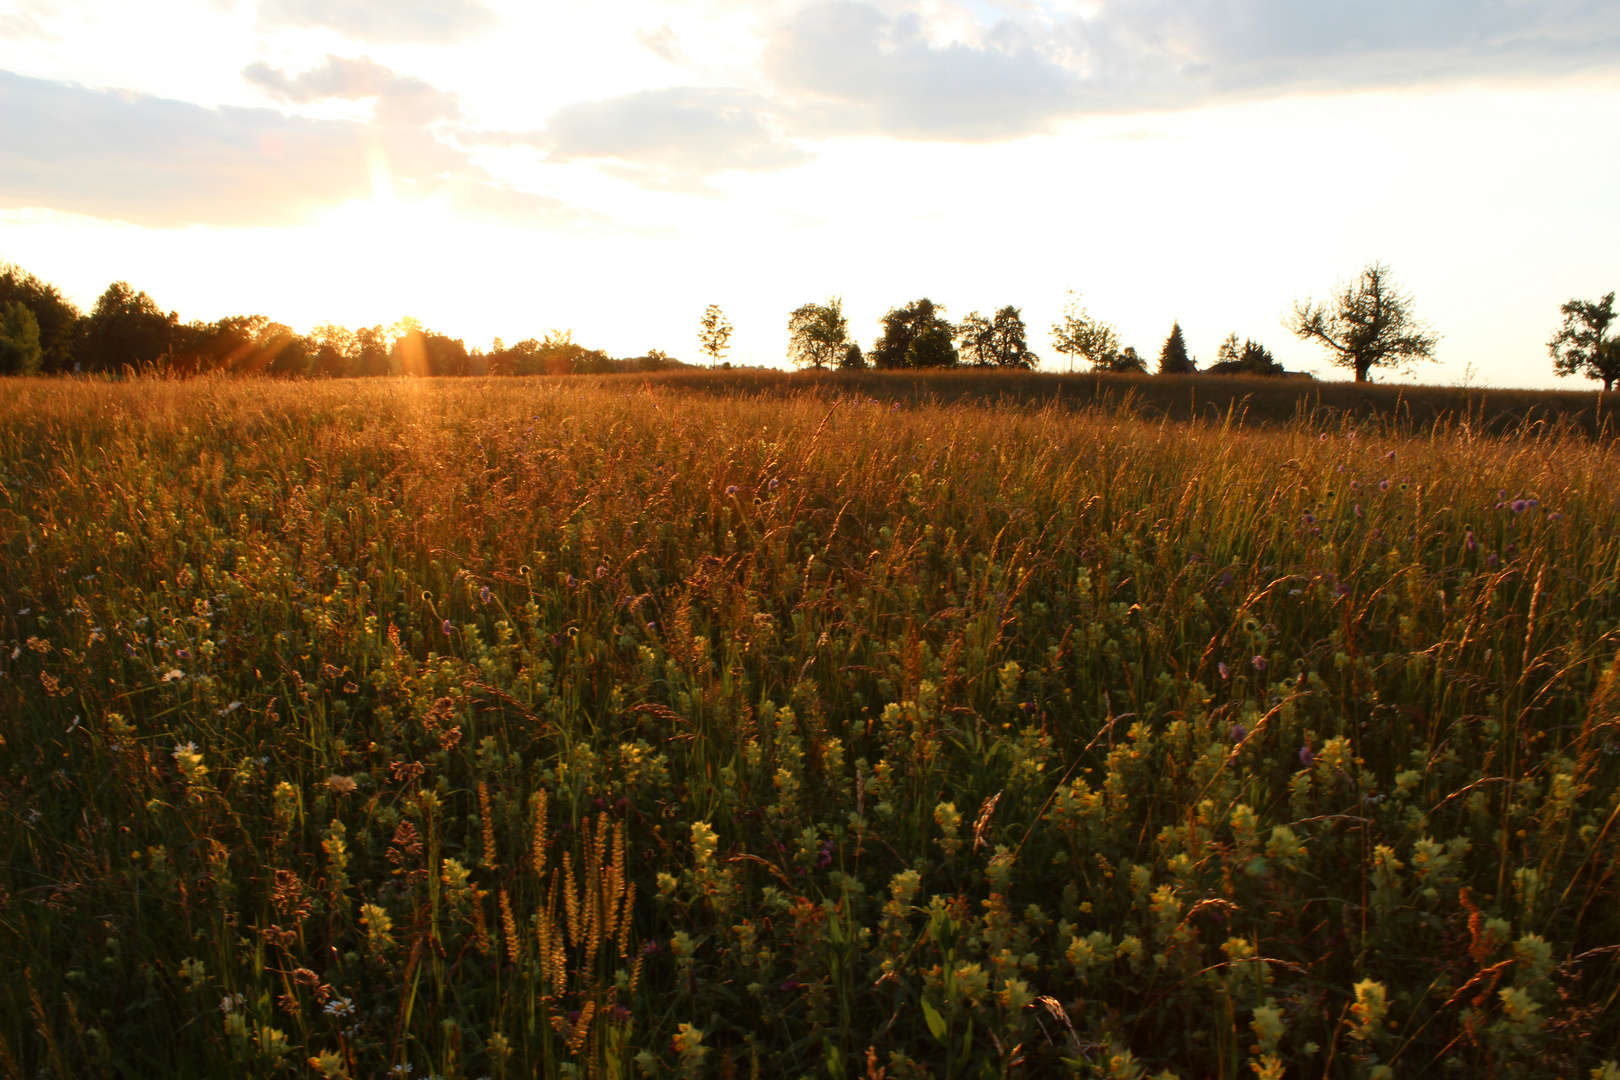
(1173, 358)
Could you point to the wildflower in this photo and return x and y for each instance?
(341, 785)
(1554, 516)
(1225, 672)
(402, 1069)
(1518, 506)
(173, 674)
(485, 595)
(339, 1007)
(1358, 509)
(1239, 733)
(1310, 519)
(1491, 560)
(1469, 543)
(446, 627)
(1259, 663)
(1390, 456)
(1383, 485)
(773, 483)
(731, 489)
(601, 572)
(189, 759)
(231, 1002)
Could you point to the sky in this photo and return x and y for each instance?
(506, 169)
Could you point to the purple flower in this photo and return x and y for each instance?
(1491, 560)
(773, 483)
(446, 628)
(651, 948)
(1259, 663)
(1469, 543)
(1518, 506)
(485, 595)
(1306, 757)
(601, 572)
(1310, 519)
(1554, 516)
(1383, 485)
(1358, 509)
(570, 581)
(826, 855)
(1342, 589)
(1390, 456)
(1221, 667)
(731, 489)
(790, 985)
(1239, 733)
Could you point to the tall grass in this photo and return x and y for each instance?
(594, 728)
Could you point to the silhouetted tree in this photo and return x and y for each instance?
(19, 339)
(1078, 334)
(1173, 358)
(853, 359)
(818, 334)
(1367, 324)
(714, 335)
(1129, 362)
(126, 328)
(1582, 347)
(58, 319)
(1247, 358)
(898, 347)
(1001, 341)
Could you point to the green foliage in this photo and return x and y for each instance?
(571, 729)
(818, 335)
(126, 329)
(1001, 341)
(915, 336)
(1583, 346)
(58, 319)
(19, 339)
(1367, 324)
(1079, 335)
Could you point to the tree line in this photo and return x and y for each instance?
(42, 332)
(1365, 325)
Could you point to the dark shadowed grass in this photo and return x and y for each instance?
(611, 728)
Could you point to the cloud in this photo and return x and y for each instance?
(384, 21)
(852, 67)
(855, 70)
(399, 99)
(672, 137)
(662, 43)
(154, 161)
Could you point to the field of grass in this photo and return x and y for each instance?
(614, 728)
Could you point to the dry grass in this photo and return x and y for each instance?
(603, 727)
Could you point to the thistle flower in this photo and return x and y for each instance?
(1259, 663)
(446, 627)
(1224, 670)
(1307, 757)
(1239, 733)
(485, 595)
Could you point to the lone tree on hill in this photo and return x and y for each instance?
(1173, 358)
(714, 338)
(818, 334)
(1367, 324)
(998, 342)
(1581, 348)
(915, 336)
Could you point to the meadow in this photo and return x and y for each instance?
(616, 727)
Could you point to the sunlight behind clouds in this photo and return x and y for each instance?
(1206, 160)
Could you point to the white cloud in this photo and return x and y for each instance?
(159, 162)
(399, 99)
(384, 21)
(672, 137)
